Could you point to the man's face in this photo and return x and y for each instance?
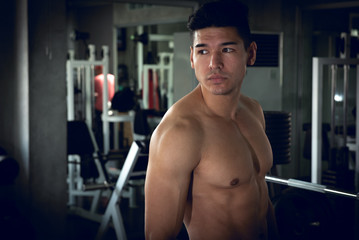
(219, 59)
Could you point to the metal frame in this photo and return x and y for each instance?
(106, 118)
(161, 67)
(87, 65)
(310, 186)
(142, 71)
(317, 103)
(74, 179)
(113, 212)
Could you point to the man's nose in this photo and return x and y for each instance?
(216, 61)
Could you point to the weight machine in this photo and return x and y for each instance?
(317, 103)
(80, 109)
(113, 213)
(162, 71)
(80, 79)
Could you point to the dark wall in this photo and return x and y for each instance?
(97, 21)
(33, 113)
(47, 98)
(7, 36)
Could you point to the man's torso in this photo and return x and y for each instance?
(228, 196)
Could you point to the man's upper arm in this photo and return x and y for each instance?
(174, 153)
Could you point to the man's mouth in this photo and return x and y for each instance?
(216, 78)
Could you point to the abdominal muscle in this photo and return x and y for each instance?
(227, 213)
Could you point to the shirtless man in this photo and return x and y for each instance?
(209, 155)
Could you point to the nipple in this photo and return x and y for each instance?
(234, 182)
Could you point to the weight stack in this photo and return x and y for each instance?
(278, 130)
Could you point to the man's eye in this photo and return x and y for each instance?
(227, 50)
(202, 51)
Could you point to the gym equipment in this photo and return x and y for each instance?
(317, 103)
(305, 211)
(85, 85)
(309, 211)
(84, 158)
(146, 72)
(84, 163)
(138, 149)
(158, 75)
(305, 215)
(278, 130)
(113, 212)
(310, 186)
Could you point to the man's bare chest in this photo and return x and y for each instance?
(232, 156)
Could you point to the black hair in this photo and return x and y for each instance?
(222, 13)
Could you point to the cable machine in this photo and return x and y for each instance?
(151, 75)
(317, 103)
(80, 107)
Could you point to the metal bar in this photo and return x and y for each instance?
(356, 177)
(112, 211)
(337, 5)
(317, 121)
(345, 105)
(145, 87)
(170, 89)
(116, 134)
(337, 61)
(332, 101)
(334, 75)
(357, 135)
(160, 37)
(298, 97)
(83, 63)
(105, 124)
(99, 186)
(88, 96)
(310, 186)
(119, 118)
(139, 47)
(82, 106)
(70, 87)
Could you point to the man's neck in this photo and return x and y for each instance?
(225, 106)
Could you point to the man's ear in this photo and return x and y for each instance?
(252, 53)
(192, 65)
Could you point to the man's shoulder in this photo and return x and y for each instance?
(177, 121)
(180, 121)
(249, 102)
(178, 137)
(253, 107)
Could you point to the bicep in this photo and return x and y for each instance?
(172, 159)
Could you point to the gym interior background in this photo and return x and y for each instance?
(35, 39)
